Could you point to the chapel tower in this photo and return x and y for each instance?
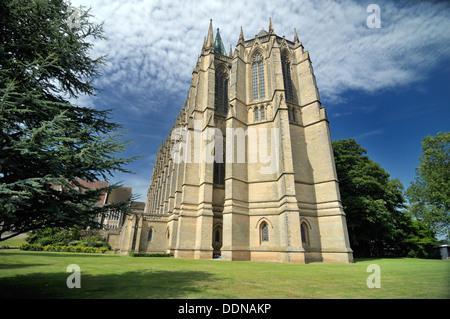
(271, 193)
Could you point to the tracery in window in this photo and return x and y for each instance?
(259, 90)
(221, 91)
(286, 68)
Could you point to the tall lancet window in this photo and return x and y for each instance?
(259, 90)
(286, 68)
(221, 91)
(219, 165)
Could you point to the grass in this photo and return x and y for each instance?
(43, 275)
(14, 242)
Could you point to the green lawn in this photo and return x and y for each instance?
(43, 275)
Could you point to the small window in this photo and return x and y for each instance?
(218, 234)
(263, 113)
(150, 234)
(256, 114)
(304, 233)
(264, 232)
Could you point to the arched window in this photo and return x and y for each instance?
(263, 113)
(150, 235)
(293, 114)
(286, 68)
(264, 232)
(221, 91)
(256, 114)
(304, 233)
(217, 235)
(217, 240)
(259, 90)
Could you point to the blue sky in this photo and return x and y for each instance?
(386, 87)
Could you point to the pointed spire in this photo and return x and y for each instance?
(210, 37)
(295, 37)
(270, 26)
(204, 42)
(231, 51)
(241, 37)
(218, 44)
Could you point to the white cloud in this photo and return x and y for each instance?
(369, 133)
(153, 45)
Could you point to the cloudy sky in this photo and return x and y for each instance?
(386, 87)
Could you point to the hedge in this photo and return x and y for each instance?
(149, 255)
(68, 249)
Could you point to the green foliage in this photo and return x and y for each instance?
(133, 254)
(375, 208)
(62, 237)
(51, 236)
(429, 193)
(371, 200)
(69, 249)
(47, 143)
(419, 241)
(32, 247)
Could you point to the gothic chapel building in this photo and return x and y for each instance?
(237, 208)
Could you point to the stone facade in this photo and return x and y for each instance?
(276, 195)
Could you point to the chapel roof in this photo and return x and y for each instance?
(262, 33)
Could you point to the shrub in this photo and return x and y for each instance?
(57, 248)
(45, 241)
(51, 236)
(31, 247)
(132, 254)
(62, 238)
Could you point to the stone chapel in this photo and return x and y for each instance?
(271, 192)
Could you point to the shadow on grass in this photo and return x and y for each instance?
(136, 285)
(18, 266)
